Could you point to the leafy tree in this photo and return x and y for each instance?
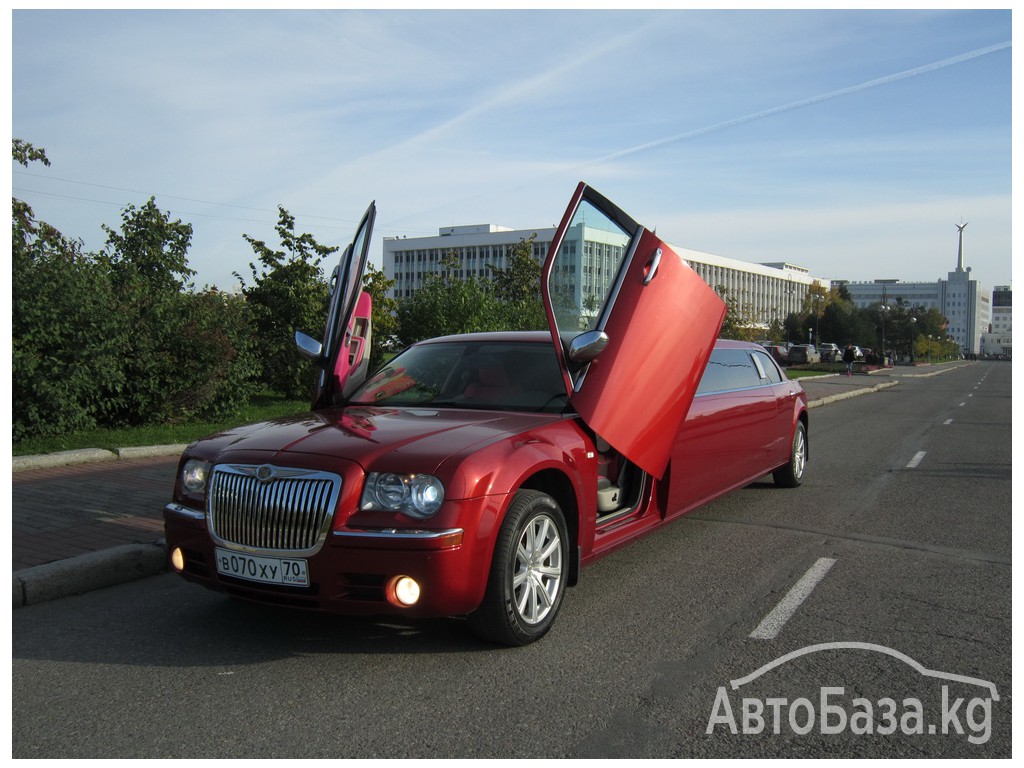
(64, 329)
(113, 338)
(738, 323)
(150, 250)
(447, 304)
(517, 289)
(288, 293)
(384, 320)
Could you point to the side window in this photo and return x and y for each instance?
(766, 368)
(728, 369)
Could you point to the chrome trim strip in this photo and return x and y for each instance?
(178, 509)
(395, 534)
(273, 511)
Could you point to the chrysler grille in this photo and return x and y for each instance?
(261, 507)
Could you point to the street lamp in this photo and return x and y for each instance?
(913, 337)
(882, 309)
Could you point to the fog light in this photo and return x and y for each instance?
(178, 559)
(403, 591)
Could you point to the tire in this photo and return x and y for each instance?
(529, 572)
(791, 474)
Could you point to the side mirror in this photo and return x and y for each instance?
(309, 347)
(587, 346)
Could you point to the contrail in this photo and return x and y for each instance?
(803, 103)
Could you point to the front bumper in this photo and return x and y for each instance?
(351, 571)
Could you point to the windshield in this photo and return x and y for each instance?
(518, 376)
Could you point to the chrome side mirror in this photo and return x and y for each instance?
(587, 346)
(309, 347)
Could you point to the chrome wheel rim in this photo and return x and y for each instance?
(799, 454)
(537, 571)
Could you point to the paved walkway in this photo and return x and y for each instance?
(63, 514)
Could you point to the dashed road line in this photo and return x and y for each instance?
(776, 619)
(918, 457)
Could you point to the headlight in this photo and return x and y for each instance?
(418, 496)
(194, 475)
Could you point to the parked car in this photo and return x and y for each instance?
(830, 353)
(779, 353)
(476, 475)
(803, 353)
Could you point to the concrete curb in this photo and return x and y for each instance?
(83, 455)
(852, 393)
(95, 570)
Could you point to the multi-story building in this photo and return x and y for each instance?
(962, 300)
(763, 292)
(998, 342)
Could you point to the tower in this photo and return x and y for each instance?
(960, 247)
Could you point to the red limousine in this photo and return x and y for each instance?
(475, 475)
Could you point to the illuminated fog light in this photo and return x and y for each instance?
(178, 559)
(403, 591)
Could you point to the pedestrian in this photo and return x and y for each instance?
(848, 357)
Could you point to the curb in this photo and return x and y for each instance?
(852, 393)
(85, 573)
(84, 455)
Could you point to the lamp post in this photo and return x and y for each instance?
(882, 309)
(913, 336)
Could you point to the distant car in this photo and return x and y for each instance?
(830, 353)
(475, 475)
(778, 352)
(804, 353)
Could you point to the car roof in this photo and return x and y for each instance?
(541, 337)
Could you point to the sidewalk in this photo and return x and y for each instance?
(88, 525)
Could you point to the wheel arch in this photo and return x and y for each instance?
(558, 486)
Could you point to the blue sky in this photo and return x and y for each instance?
(849, 142)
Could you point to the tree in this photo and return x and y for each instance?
(64, 327)
(738, 323)
(447, 304)
(384, 320)
(150, 248)
(114, 338)
(288, 293)
(517, 289)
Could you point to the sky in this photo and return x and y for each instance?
(849, 142)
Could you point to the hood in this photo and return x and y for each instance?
(420, 437)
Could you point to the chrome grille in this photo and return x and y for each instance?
(268, 508)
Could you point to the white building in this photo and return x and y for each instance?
(999, 340)
(764, 292)
(963, 301)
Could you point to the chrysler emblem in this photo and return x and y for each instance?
(265, 473)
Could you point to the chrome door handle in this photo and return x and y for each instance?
(652, 267)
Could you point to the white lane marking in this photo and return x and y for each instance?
(963, 404)
(916, 460)
(947, 421)
(772, 624)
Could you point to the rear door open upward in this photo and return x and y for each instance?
(633, 327)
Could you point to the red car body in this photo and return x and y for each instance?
(476, 475)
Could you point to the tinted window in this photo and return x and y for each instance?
(469, 374)
(767, 367)
(729, 369)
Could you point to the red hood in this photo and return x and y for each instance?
(363, 434)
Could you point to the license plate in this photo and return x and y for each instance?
(266, 570)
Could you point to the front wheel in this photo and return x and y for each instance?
(791, 474)
(528, 573)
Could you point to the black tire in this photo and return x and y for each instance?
(791, 474)
(529, 572)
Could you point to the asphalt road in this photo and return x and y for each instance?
(904, 516)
